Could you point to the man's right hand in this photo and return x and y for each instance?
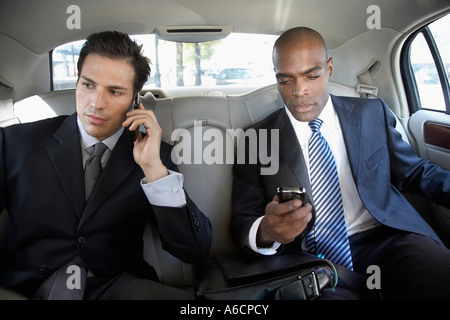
(283, 222)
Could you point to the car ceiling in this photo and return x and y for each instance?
(41, 25)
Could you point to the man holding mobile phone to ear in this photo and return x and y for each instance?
(80, 192)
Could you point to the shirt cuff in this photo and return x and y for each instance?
(267, 251)
(167, 191)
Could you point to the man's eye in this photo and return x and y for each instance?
(283, 81)
(116, 92)
(312, 77)
(88, 85)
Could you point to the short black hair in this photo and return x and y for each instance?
(117, 45)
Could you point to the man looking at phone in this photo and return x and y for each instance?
(55, 218)
(372, 163)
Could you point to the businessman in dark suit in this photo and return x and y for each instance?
(374, 165)
(42, 187)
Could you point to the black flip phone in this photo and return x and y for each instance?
(134, 106)
(289, 193)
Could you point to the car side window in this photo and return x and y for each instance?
(426, 67)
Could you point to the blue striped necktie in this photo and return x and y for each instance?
(328, 238)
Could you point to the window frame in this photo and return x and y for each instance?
(407, 73)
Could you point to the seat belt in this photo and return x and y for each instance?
(365, 87)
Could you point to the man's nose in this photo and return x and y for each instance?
(300, 88)
(98, 100)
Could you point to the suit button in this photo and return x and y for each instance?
(81, 240)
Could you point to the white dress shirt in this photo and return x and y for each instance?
(357, 218)
(167, 191)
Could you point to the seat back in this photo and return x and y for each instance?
(47, 105)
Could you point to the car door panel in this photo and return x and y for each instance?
(431, 130)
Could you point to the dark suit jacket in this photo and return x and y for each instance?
(42, 187)
(382, 165)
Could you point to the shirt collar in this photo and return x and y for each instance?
(329, 117)
(302, 129)
(87, 140)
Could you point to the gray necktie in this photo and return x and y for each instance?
(93, 168)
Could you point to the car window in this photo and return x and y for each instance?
(239, 59)
(429, 62)
(441, 33)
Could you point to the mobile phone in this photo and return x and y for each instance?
(289, 193)
(134, 106)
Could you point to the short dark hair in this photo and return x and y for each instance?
(117, 45)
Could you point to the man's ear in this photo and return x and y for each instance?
(330, 66)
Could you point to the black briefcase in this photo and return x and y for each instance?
(240, 276)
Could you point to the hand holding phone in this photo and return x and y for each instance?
(146, 134)
(282, 221)
(135, 106)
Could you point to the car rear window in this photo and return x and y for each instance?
(238, 60)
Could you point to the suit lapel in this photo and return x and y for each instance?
(350, 121)
(67, 148)
(62, 154)
(120, 165)
(291, 152)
